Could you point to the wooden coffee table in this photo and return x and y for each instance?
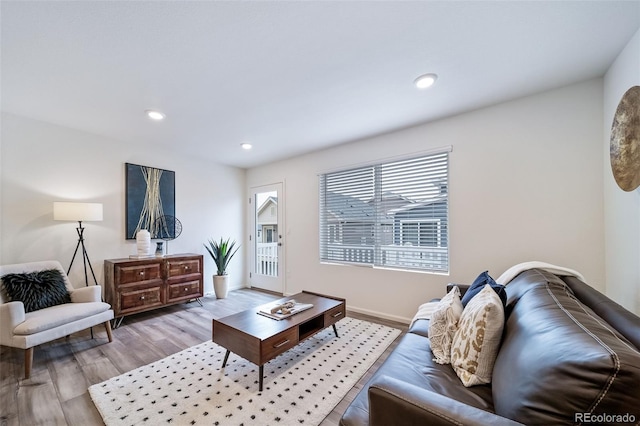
(260, 339)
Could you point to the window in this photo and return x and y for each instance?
(423, 233)
(269, 233)
(392, 214)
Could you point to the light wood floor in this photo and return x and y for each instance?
(56, 393)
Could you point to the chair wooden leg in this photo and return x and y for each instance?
(107, 326)
(28, 362)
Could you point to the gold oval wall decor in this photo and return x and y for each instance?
(624, 147)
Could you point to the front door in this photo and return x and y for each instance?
(266, 238)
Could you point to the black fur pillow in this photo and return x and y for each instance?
(37, 290)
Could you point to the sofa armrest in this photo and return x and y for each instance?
(463, 288)
(392, 400)
(11, 314)
(87, 294)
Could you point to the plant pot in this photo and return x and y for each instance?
(221, 285)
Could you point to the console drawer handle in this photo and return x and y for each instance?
(336, 315)
(141, 297)
(281, 344)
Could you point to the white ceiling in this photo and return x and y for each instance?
(290, 77)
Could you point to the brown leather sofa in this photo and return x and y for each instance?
(569, 355)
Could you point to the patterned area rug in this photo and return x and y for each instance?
(301, 386)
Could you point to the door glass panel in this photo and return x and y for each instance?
(266, 241)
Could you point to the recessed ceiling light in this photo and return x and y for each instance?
(246, 146)
(155, 115)
(425, 81)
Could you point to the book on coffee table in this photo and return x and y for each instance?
(285, 310)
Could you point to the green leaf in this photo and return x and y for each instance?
(222, 252)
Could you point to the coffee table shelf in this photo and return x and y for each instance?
(311, 327)
(260, 339)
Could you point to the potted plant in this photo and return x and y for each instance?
(221, 252)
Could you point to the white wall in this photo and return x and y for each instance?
(622, 209)
(525, 184)
(43, 163)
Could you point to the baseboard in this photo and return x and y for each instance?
(377, 314)
(397, 318)
(213, 293)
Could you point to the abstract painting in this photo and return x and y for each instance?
(150, 197)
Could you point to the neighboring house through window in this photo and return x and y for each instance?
(392, 214)
(422, 233)
(267, 221)
(266, 250)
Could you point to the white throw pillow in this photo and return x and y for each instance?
(443, 325)
(477, 340)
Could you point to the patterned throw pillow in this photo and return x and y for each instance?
(477, 340)
(36, 290)
(443, 325)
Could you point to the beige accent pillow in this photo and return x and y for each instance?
(443, 325)
(477, 340)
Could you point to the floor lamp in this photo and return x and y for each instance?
(80, 212)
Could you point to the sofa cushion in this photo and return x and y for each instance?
(479, 283)
(443, 325)
(46, 319)
(411, 362)
(613, 313)
(420, 327)
(36, 290)
(477, 340)
(553, 340)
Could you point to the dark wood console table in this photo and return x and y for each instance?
(138, 285)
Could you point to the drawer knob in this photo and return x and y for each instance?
(186, 289)
(141, 272)
(141, 297)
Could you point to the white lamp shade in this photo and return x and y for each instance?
(77, 212)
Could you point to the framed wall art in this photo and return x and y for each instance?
(150, 197)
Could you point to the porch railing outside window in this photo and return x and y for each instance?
(392, 214)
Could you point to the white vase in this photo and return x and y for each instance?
(143, 242)
(221, 285)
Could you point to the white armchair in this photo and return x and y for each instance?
(27, 330)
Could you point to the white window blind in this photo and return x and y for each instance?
(392, 214)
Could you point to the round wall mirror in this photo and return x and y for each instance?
(624, 147)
